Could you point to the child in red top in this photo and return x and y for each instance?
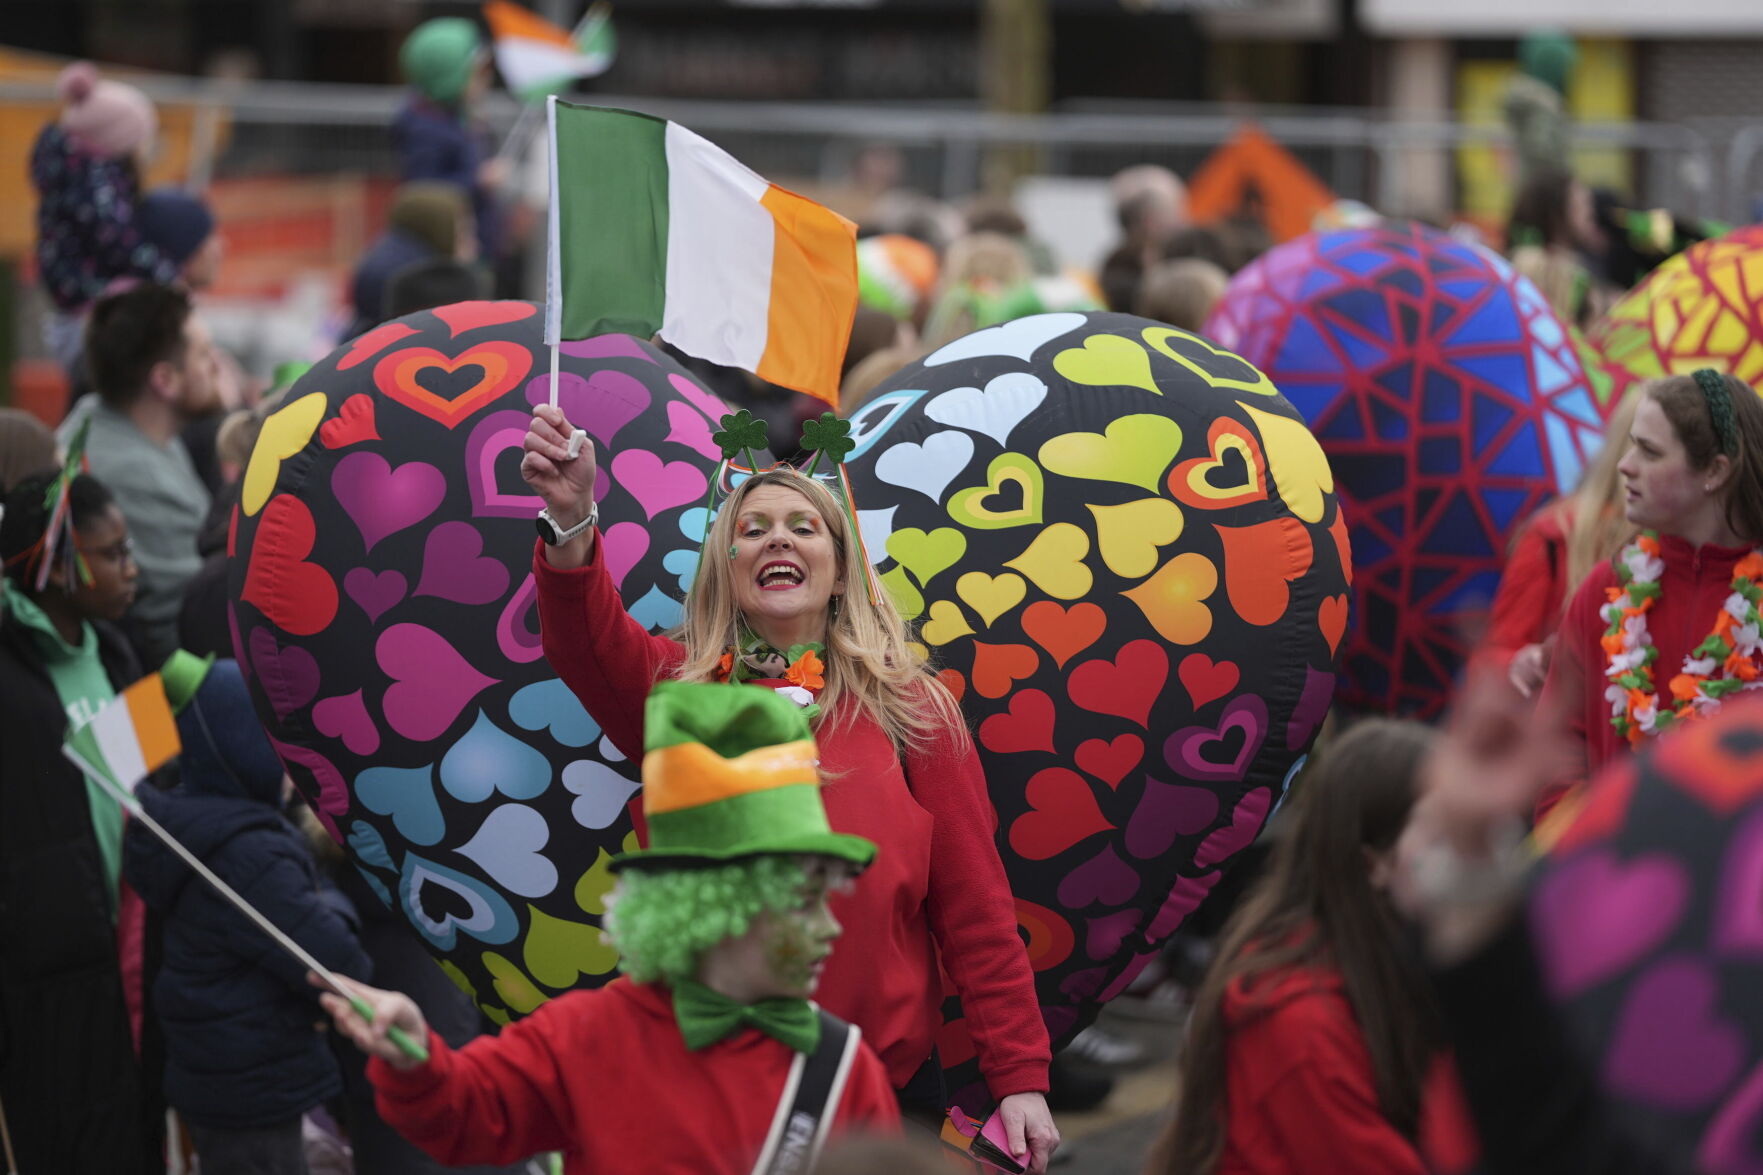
(1693, 476)
(1313, 1046)
(696, 1060)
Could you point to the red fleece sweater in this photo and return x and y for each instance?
(1692, 590)
(604, 1077)
(1533, 587)
(936, 887)
(1300, 1095)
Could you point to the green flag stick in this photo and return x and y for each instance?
(414, 1049)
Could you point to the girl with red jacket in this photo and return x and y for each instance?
(1313, 1045)
(779, 602)
(1669, 627)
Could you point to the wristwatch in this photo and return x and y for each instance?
(554, 534)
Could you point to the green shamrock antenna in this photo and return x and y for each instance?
(827, 437)
(830, 437)
(741, 434)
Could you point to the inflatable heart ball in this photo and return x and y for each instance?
(384, 611)
(1122, 545)
(1648, 931)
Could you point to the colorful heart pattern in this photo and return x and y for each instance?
(385, 606)
(1109, 534)
(1647, 925)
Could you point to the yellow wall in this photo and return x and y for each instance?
(1602, 91)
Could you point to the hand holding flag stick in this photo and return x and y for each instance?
(137, 729)
(552, 465)
(376, 1020)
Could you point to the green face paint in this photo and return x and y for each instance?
(792, 952)
(797, 941)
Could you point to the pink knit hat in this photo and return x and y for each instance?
(106, 119)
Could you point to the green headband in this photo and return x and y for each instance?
(1719, 398)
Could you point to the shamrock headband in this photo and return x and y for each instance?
(827, 438)
(1719, 398)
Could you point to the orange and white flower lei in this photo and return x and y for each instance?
(1726, 662)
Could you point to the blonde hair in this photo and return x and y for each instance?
(978, 266)
(1600, 527)
(869, 669)
(1181, 293)
(986, 259)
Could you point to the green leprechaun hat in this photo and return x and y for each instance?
(731, 771)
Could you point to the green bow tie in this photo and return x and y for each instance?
(706, 1016)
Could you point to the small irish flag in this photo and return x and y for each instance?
(537, 58)
(655, 229)
(132, 736)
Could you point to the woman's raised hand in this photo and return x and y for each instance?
(566, 485)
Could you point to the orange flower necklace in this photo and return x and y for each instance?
(805, 671)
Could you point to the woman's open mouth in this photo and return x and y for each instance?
(780, 576)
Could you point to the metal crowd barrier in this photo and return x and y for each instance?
(308, 127)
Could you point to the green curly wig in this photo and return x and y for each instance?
(662, 921)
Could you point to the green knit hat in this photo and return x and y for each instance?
(731, 771)
(439, 56)
(1549, 56)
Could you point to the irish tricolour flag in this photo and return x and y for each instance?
(133, 735)
(537, 58)
(655, 229)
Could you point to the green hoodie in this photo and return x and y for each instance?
(83, 687)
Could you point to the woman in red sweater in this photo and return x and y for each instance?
(770, 607)
(1665, 630)
(1313, 1044)
(1552, 555)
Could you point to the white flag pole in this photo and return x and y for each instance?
(519, 134)
(553, 253)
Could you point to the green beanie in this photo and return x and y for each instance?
(439, 56)
(1548, 55)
